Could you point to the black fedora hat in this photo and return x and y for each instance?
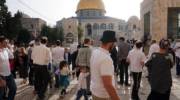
(108, 36)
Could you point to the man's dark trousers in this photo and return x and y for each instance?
(41, 79)
(11, 85)
(31, 74)
(123, 67)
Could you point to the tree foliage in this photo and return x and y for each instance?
(24, 36)
(80, 33)
(3, 16)
(9, 26)
(14, 26)
(53, 34)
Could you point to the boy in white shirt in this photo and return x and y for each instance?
(82, 84)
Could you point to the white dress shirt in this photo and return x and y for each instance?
(5, 55)
(136, 56)
(153, 49)
(57, 54)
(101, 64)
(41, 55)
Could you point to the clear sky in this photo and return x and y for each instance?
(54, 10)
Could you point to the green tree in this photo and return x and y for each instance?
(58, 33)
(3, 15)
(61, 34)
(53, 34)
(80, 33)
(45, 30)
(9, 26)
(14, 25)
(24, 36)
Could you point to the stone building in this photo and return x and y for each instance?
(70, 29)
(33, 25)
(160, 19)
(93, 22)
(134, 28)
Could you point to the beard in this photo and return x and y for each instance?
(111, 46)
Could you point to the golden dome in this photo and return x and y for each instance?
(91, 4)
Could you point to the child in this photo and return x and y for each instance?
(82, 84)
(64, 77)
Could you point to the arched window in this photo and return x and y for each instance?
(134, 27)
(89, 29)
(103, 26)
(111, 26)
(96, 26)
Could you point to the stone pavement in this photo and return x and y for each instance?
(124, 92)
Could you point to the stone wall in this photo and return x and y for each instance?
(107, 21)
(70, 26)
(33, 25)
(134, 29)
(158, 16)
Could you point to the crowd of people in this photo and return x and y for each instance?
(96, 68)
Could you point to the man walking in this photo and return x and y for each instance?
(57, 57)
(136, 59)
(41, 57)
(154, 48)
(31, 71)
(83, 59)
(6, 78)
(123, 50)
(102, 70)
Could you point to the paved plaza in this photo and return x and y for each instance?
(25, 92)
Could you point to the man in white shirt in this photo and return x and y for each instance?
(41, 56)
(57, 57)
(102, 70)
(136, 58)
(5, 73)
(153, 48)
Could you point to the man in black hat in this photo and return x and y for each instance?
(102, 70)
